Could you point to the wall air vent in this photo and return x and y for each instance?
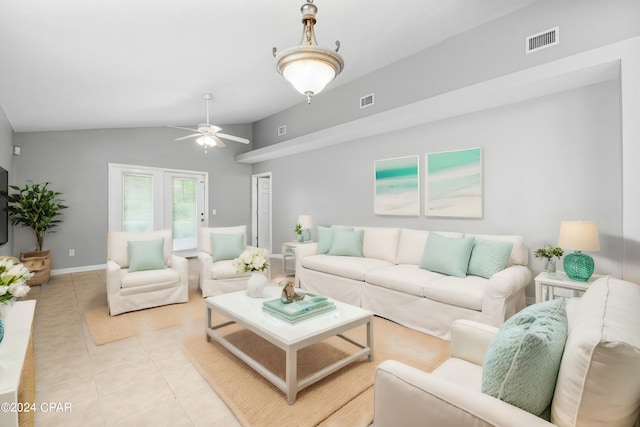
(366, 101)
(543, 40)
(282, 130)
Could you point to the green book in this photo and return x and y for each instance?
(296, 308)
(306, 315)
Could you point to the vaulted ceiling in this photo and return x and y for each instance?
(89, 64)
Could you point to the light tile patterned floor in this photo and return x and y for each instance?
(141, 381)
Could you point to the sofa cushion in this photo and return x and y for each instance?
(380, 243)
(598, 383)
(447, 255)
(465, 292)
(117, 248)
(146, 255)
(204, 236)
(325, 239)
(226, 246)
(354, 268)
(158, 278)
(519, 252)
(521, 364)
(411, 245)
(346, 243)
(226, 270)
(488, 257)
(408, 279)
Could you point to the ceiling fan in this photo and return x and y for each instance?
(209, 135)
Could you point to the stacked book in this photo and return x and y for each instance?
(295, 311)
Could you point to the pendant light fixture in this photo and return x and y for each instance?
(307, 67)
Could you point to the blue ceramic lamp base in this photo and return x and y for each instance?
(578, 266)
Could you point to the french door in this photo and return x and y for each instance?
(145, 199)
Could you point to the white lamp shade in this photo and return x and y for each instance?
(305, 221)
(308, 75)
(579, 236)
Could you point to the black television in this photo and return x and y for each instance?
(4, 214)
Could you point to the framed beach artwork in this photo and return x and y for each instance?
(397, 186)
(454, 184)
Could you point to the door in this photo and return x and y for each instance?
(261, 218)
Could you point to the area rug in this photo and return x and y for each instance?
(105, 328)
(344, 398)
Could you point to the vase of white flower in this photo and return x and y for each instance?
(256, 262)
(13, 284)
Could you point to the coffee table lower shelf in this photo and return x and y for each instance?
(291, 385)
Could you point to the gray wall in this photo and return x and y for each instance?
(545, 160)
(76, 162)
(489, 51)
(6, 150)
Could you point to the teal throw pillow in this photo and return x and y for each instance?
(447, 255)
(325, 239)
(522, 362)
(226, 246)
(346, 242)
(146, 255)
(488, 257)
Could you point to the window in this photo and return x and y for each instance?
(146, 199)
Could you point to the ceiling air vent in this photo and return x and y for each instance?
(366, 101)
(282, 130)
(543, 40)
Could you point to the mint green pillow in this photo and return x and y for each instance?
(488, 257)
(346, 242)
(226, 246)
(146, 255)
(522, 362)
(325, 239)
(447, 255)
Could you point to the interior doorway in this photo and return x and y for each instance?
(261, 187)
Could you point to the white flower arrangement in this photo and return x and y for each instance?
(251, 260)
(13, 279)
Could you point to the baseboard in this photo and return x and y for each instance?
(61, 271)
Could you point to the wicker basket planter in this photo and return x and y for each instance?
(39, 263)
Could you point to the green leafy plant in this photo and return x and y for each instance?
(298, 229)
(35, 206)
(549, 252)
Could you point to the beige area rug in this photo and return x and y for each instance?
(105, 328)
(345, 398)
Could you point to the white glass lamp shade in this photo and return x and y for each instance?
(308, 76)
(579, 236)
(305, 221)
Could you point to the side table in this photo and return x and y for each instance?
(289, 254)
(549, 282)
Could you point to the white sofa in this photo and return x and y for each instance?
(129, 291)
(387, 280)
(597, 383)
(220, 277)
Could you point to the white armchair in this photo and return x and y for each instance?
(135, 290)
(217, 273)
(597, 385)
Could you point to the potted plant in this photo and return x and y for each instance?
(550, 253)
(298, 231)
(35, 206)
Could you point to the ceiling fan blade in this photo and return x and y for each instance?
(179, 127)
(188, 136)
(233, 138)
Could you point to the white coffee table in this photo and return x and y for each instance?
(247, 312)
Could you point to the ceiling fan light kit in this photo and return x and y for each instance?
(209, 135)
(308, 67)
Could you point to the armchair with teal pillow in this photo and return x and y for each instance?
(217, 248)
(143, 272)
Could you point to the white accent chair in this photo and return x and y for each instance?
(598, 383)
(129, 291)
(220, 277)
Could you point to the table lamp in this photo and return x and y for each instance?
(579, 236)
(306, 222)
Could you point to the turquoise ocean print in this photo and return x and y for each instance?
(454, 184)
(397, 186)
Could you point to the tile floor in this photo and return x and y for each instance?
(141, 381)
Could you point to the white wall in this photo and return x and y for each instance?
(548, 159)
